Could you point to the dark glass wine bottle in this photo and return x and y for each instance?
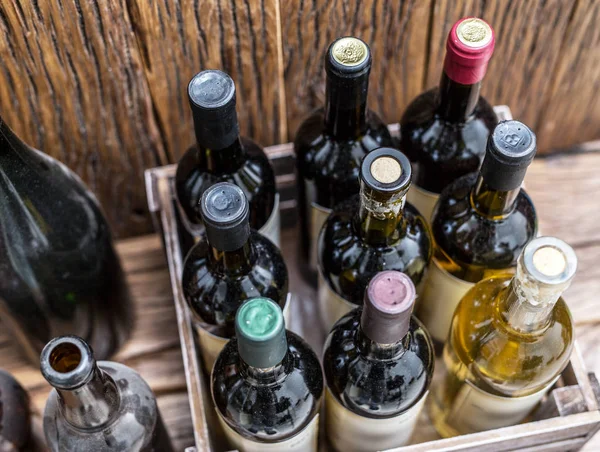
(332, 141)
(100, 407)
(15, 423)
(267, 384)
(59, 273)
(481, 224)
(511, 337)
(371, 232)
(221, 155)
(378, 362)
(444, 130)
(230, 265)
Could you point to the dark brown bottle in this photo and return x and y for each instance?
(59, 272)
(331, 143)
(15, 425)
(222, 155)
(267, 384)
(481, 224)
(100, 407)
(444, 130)
(378, 362)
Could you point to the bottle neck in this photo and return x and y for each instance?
(457, 102)
(374, 350)
(263, 376)
(233, 263)
(222, 161)
(527, 305)
(491, 203)
(93, 404)
(346, 106)
(380, 219)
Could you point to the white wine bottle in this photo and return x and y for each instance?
(511, 337)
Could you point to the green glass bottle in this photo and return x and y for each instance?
(371, 232)
(231, 264)
(481, 224)
(511, 337)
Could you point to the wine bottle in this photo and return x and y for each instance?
(267, 384)
(445, 129)
(15, 424)
(59, 272)
(378, 362)
(221, 155)
(332, 141)
(230, 265)
(102, 406)
(511, 338)
(481, 224)
(371, 232)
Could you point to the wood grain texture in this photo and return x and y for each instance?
(572, 113)
(72, 85)
(178, 38)
(529, 39)
(396, 31)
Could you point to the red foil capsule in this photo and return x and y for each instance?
(469, 47)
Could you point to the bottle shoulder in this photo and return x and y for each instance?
(347, 262)
(320, 155)
(131, 428)
(510, 362)
(371, 387)
(264, 411)
(468, 238)
(214, 297)
(444, 150)
(255, 177)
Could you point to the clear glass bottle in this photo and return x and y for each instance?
(221, 155)
(59, 272)
(481, 224)
(511, 337)
(100, 407)
(371, 232)
(267, 384)
(444, 130)
(15, 423)
(378, 362)
(332, 141)
(231, 264)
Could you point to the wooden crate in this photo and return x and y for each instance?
(566, 419)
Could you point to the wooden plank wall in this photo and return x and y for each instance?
(101, 85)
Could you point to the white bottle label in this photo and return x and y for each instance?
(474, 410)
(349, 432)
(318, 215)
(423, 200)
(272, 228)
(441, 295)
(211, 344)
(304, 441)
(331, 305)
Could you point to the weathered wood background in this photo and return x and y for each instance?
(101, 85)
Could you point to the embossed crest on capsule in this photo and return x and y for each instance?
(474, 32)
(349, 51)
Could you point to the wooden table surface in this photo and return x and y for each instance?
(564, 189)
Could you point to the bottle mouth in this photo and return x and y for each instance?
(348, 57)
(550, 261)
(386, 170)
(67, 362)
